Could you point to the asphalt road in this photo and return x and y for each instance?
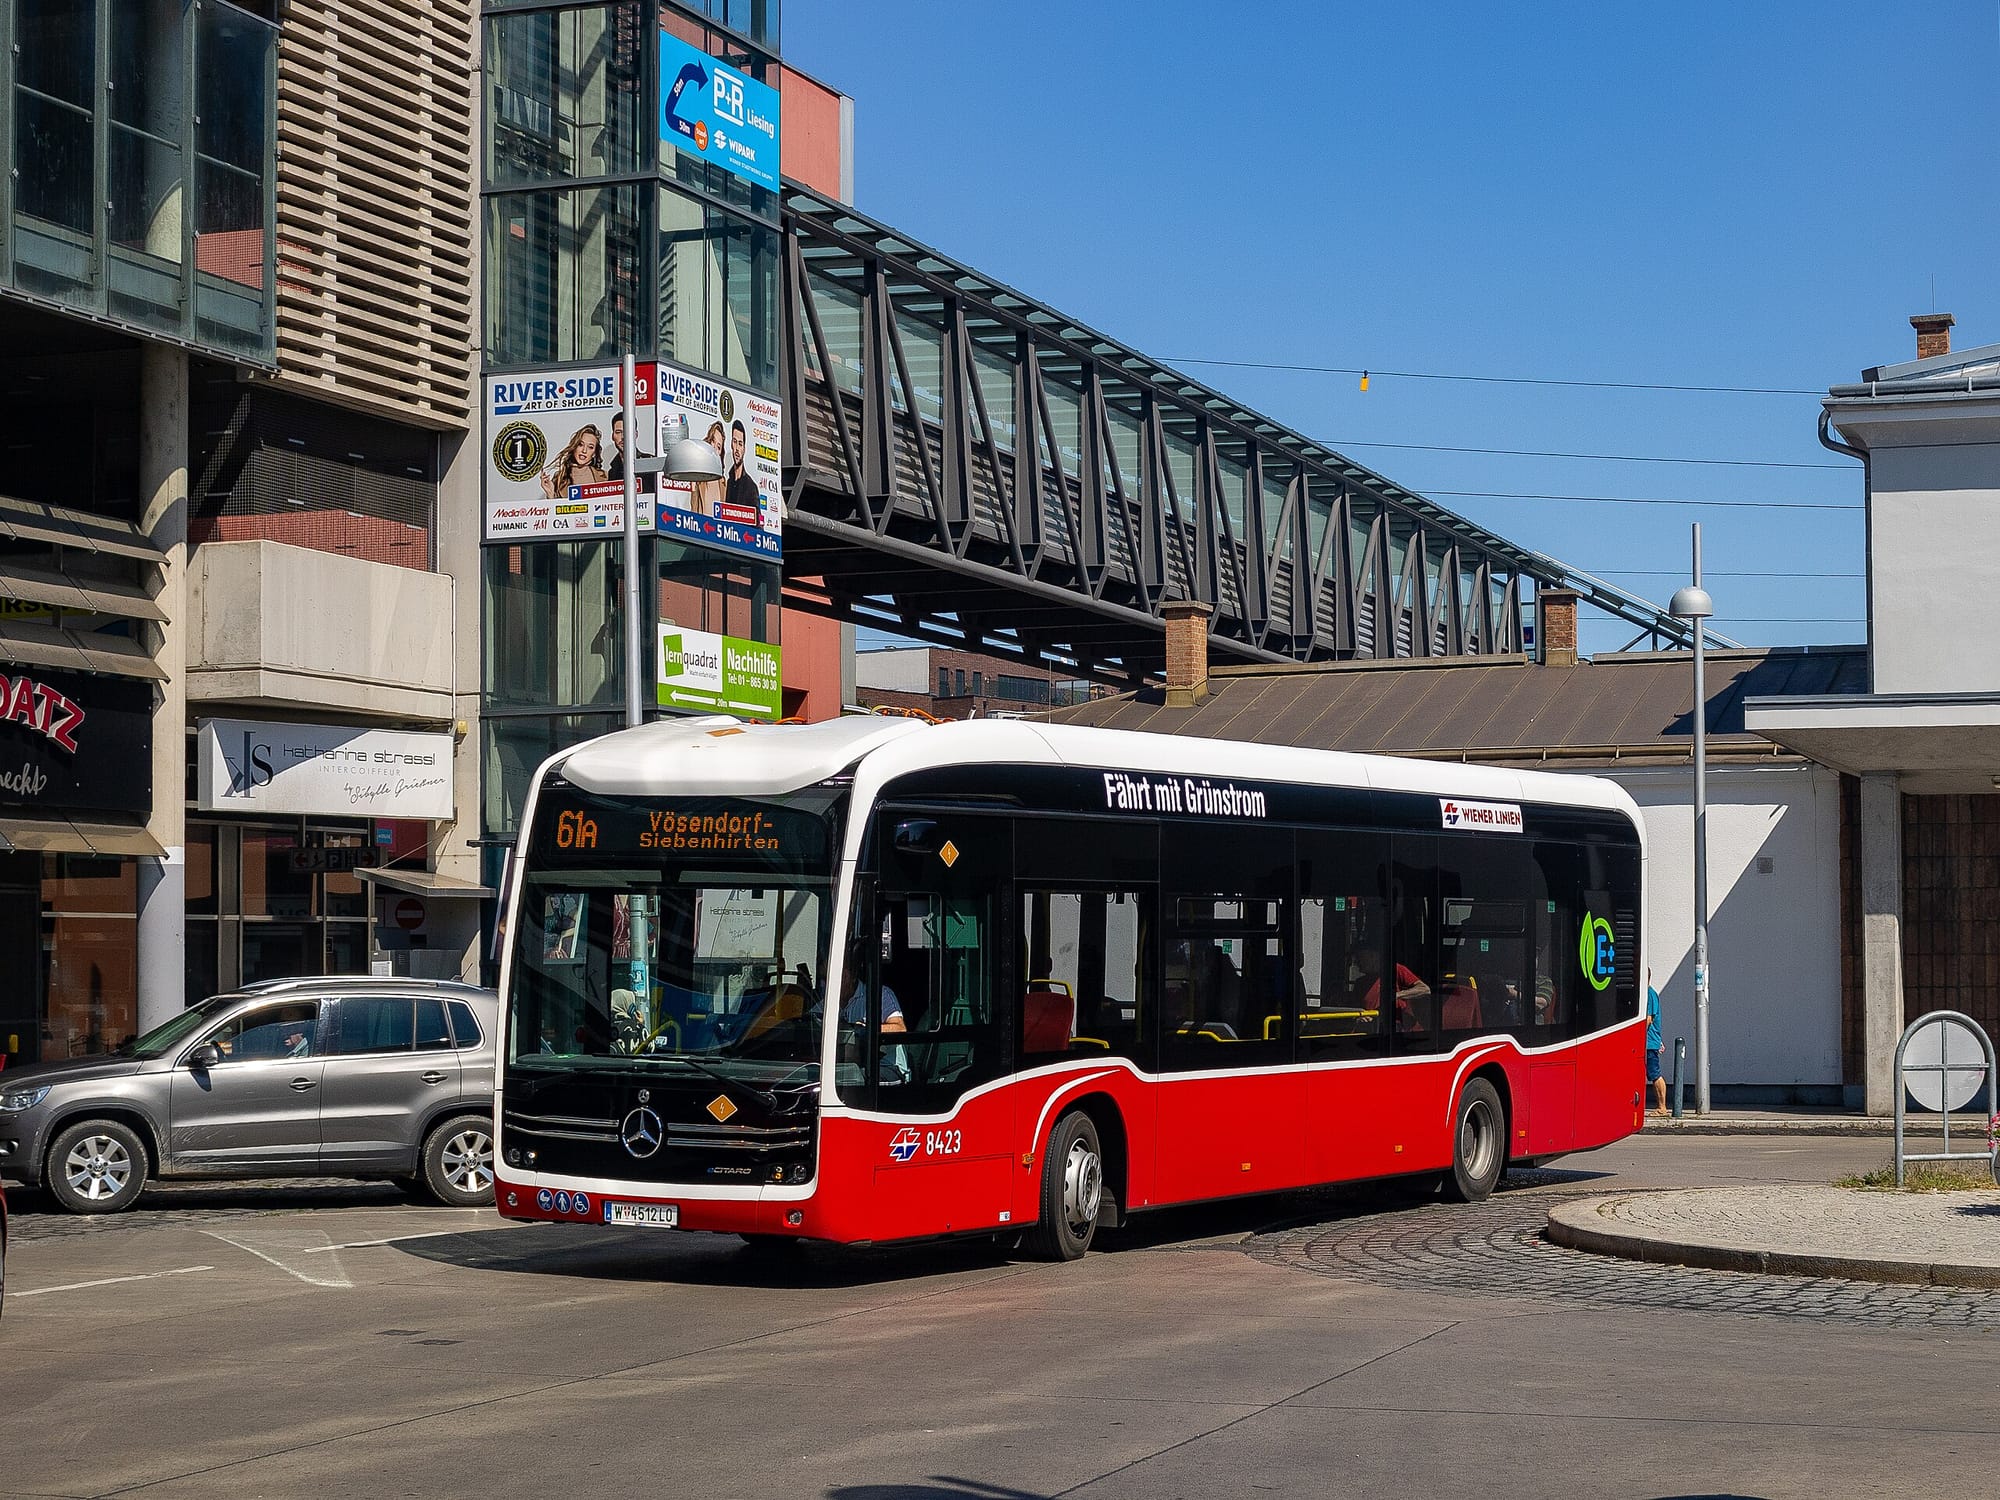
(334, 1341)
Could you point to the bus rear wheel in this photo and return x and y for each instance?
(1479, 1144)
(1072, 1190)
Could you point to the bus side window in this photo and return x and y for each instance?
(1482, 935)
(1343, 943)
(1555, 896)
(1082, 970)
(1340, 971)
(1413, 943)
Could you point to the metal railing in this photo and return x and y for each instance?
(969, 466)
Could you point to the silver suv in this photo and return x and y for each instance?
(323, 1077)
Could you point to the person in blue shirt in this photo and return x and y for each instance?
(1656, 1082)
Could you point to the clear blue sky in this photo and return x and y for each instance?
(1708, 194)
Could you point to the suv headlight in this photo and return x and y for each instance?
(16, 1100)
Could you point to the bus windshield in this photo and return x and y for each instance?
(681, 933)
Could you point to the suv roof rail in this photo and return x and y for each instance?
(359, 982)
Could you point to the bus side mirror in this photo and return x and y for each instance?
(916, 836)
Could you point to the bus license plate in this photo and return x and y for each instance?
(647, 1215)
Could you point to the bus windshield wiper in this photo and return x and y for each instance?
(770, 1100)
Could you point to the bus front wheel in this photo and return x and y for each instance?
(1072, 1190)
(1479, 1144)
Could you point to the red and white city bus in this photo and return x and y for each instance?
(875, 979)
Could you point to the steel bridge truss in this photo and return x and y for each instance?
(969, 467)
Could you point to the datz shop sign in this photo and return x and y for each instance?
(326, 769)
(73, 742)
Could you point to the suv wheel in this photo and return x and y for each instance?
(96, 1167)
(458, 1162)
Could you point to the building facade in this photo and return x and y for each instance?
(950, 684)
(1775, 818)
(614, 223)
(237, 280)
(1919, 752)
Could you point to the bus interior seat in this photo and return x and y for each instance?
(1460, 1010)
(1048, 1017)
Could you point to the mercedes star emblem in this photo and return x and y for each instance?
(640, 1132)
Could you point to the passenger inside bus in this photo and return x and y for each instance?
(1410, 989)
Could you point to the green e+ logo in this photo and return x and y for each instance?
(1597, 951)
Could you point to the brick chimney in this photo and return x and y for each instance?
(1187, 651)
(1933, 334)
(1555, 626)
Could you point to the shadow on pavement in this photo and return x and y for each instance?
(1980, 1210)
(691, 1258)
(591, 1252)
(940, 1487)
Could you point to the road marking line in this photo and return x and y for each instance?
(338, 1280)
(394, 1239)
(80, 1286)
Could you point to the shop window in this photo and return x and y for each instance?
(204, 958)
(201, 872)
(346, 948)
(342, 892)
(277, 881)
(89, 883)
(90, 937)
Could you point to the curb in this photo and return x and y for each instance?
(1884, 1129)
(1762, 1262)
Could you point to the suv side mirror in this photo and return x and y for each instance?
(204, 1057)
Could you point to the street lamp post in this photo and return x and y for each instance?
(1692, 603)
(686, 461)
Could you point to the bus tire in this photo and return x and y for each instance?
(1478, 1144)
(1072, 1190)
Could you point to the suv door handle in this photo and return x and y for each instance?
(300, 1085)
(433, 1076)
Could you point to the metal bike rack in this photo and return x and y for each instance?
(1935, 1033)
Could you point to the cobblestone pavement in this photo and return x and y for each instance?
(197, 1205)
(1496, 1248)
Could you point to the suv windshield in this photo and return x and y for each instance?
(168, 1035)
(687, 933)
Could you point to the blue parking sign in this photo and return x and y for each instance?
(718, 113)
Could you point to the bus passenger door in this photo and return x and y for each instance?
(1354, 1114)
(1084, 1023)
(1228, 1098)
(931, 1026)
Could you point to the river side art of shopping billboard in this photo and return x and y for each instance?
(695, 669)
(554, 467)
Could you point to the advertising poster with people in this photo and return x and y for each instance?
(557, 449)
(555, 455)
(744, 509)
